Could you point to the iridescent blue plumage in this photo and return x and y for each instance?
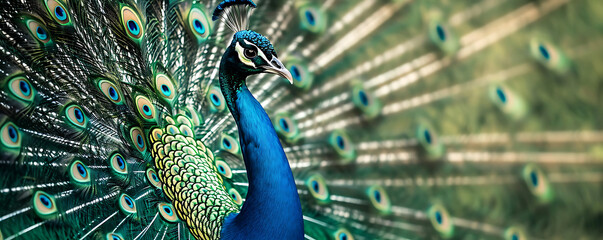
(272, 208)
(272, 197)
(260, 41)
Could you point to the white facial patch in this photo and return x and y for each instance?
(244, 59)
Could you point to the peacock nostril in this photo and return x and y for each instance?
(276, 63)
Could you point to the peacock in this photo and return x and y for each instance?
(301, 119)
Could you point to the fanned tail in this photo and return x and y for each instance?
(405, 120)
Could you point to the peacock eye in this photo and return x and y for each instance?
(167, 212)
(236, 196)
(76, 116)
(216, 99)
(537, 182)
(21, 88)
(199, 24)
(343, 234)
(441, 221)
(57, 10)
(342, 145)
(165, 86)
(137, 138)
(111, 91)
(153, 178)
(132, 23)
(379, 199)
(10, 136)
(79, 172)
(223, 169)
(145, 108)
(318, 188)
(127, 204)
(302, 76)
(44, 205)
(230, 144)
(250, 53)
(118, 163)
(38, 30)
(514, 233)
(114, 236)
(286, 127)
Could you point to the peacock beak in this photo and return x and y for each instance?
(276, 66)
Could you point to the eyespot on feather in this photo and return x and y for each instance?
(216, 100)
(199, 24)
(236, 196)
(127, 204)
(153, 178)
(343, 146)
(113, 236)
(537, 183)
(379, 199)
(186, 131)
(286, 127)
(514, 233)
(441, 221)
(343, 234)
(137, 138)
(75, 116)
(111, 91)
(79, 172)
(165, 87)
(156, 134)
(550, 56)
(442, 36)
(44, 205)
(430, 146)
(302, 77)
(145, 108)
(230, 144)
(21, 88)
(167, 212)
(223, 169)
(38, 30)
(11, 135)
(312, 18)
(366, 102)
(132, 23)
(318, 188)
(118, 163)
(58, 11)
(508, 101)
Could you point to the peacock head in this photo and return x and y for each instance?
(251, 53)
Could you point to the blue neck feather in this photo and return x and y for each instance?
(272, 208)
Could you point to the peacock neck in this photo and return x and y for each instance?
(272, 208)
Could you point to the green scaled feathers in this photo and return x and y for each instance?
(190, 179)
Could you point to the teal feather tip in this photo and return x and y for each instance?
(318, 188)
(286, 127)
(537, 183)
(302, 77)
(312, 18)
(549, 56)
(441, 220)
